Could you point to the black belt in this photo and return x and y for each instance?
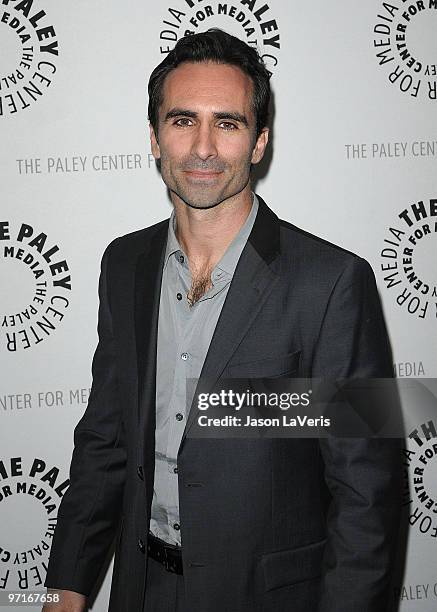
(168, 555)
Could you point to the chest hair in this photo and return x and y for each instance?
(200, 283)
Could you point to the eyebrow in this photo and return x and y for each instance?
(233, 115)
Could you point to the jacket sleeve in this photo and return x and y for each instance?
(90, 510)
(363, 475)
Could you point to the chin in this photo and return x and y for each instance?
(205, 199)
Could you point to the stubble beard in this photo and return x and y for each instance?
(199, 196)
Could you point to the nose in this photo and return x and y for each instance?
(204, 145)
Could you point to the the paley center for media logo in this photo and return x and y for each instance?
(36, 283)
(29, 54)
(31, 489)
(253, 21)
(404, 46)
(407, 259)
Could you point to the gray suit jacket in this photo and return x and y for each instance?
(266, 525)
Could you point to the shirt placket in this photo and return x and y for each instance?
(178, 411)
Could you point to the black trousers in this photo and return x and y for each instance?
(165, 591)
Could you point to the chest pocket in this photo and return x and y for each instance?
(272, 367)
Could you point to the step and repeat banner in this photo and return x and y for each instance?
(352, 159)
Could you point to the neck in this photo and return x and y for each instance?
(205, 234)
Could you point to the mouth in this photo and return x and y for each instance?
(202, 174)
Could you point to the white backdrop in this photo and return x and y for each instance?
(354, 146)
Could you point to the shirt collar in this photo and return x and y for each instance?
(229, 261)
(230, 258)
(173, 245)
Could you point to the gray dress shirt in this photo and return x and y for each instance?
(184, 336)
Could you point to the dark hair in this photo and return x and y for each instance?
(217, 46)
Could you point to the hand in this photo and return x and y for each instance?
(69, 601)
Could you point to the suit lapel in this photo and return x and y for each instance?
(256, 274)
(148, 278)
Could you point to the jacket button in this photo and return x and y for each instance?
(140, 472)
(141, 545)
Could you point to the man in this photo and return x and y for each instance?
(225, 289)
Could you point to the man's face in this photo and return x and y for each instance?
(207, 133)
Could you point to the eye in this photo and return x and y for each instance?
(183, 122)
(227, 125)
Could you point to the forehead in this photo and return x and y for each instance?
(207, 86)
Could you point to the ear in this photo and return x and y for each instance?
(154, 143)
(260, 146)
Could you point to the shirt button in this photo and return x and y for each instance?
(175, 470)
(179, 296)
(181, 258)
(176, 526)
(179, 416)
(141, 545)
(184, 356)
